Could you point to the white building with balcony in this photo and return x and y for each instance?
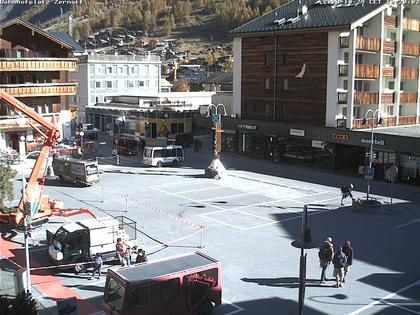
(101, 76)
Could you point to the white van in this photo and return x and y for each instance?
(159, 156)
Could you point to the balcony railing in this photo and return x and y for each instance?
(408, 97)
(366, 98)
(367, 71)
(409, 73)
(388, 72)
(342, 97)
(410, 49)
(389, 121)
(43, 89)
(33, 64)
(368, 43)
(389, 47)
(390, 21)
(411, 24)
(343, 70)
(407, 120)
(386, 122)
(387, 98)
(11, 122)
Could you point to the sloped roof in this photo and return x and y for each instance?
(219, 78)
(35, 29)
(69, 40)
(319, 15)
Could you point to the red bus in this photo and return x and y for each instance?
(185, 284)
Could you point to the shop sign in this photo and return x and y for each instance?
(318, 144)
(369, 172)
(340, 136)
(247, 127)
(297, 132)
(375, 141)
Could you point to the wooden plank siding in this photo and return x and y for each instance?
(411, 49)
(390, 21)
(304, 99)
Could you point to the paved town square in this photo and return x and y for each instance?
(250, 222)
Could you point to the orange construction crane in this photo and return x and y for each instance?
(41, 206)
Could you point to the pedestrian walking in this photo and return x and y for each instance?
(346, 192)
(97, 265)
(348, 251)
(196, 145)
(325, 255)
(123, 252)
(339, 261)
(141, 256)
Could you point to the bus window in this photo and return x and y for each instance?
(115, 295)
(138, 297)
(148, 153)
(157, 153)
(169, 289)
(78, 169)
(179, 153)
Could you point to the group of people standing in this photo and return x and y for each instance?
(341, 259)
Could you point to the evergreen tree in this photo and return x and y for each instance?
(7, 174)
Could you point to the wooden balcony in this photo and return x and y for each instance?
(368, 43)
(387, 98)
(408, 98)
(342, 97)
(343, 70)
(410, 49)
(389, 47)
(389, 121)
(407, 120)
(366, 98)
(409, 73)
(388, 72)
(38, 64)
(42, 89)
(411, 24)
(367, 71)
(390, 21)
(386, 122)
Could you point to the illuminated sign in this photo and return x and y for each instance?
(340, 136)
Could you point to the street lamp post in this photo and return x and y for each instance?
(26, 236)
(370, 174)
(213, 111)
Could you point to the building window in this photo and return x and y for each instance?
(346, 57)
(97, 99)
(359, 58)
(147, 69)
(109, 70)
(136, 69)
(103, 69)
(147, 83)
(132, 70)
(267, 60)
(267, 83)
(401, 86)
(358, 85)
(391, 85)
(177, 127)
(285, 84)
(344, 42)
(400, 110)
(344, 111)
(285, 58)
(356, 112)
(140, 83)
(109, 84)
(120, 70)
(130, 84)
(390, 110)
(92, 69)
(98, 84)
(126, 70)
(345, 84)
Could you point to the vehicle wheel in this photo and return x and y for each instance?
(79, 268)
(159, 164)
(175, 163)
(205, 308)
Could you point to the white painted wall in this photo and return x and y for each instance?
(237, 79)
(332, 79)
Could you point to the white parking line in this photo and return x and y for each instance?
(238, 308)
(254, 215)
(168, 184)
(231, 196)
(202, 189)
(364, 308)
(402, 307)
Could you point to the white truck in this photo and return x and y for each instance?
(74, 244)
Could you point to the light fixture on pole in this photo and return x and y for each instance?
(27, 213)
(369, 172)
(81, 134)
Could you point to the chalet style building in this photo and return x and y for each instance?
(306, 75)
(34, 68)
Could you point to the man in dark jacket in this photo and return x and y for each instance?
(346, 192)
(325, 255)
(339, 261)
(348, 251)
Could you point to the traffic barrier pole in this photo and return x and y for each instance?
(118, 159)
(202, 237)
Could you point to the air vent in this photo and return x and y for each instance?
(280, 21)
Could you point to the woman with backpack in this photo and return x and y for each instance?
(339, 261)
(325, 255)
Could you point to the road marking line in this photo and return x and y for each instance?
(202, 189)
(224, 223)
(315, 202)
(255, 215)
(231, 196)
(402, 307)
(364, 308)
(238, 308)
(408, 223)
(172, 183)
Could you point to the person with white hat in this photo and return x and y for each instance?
(325, 254)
